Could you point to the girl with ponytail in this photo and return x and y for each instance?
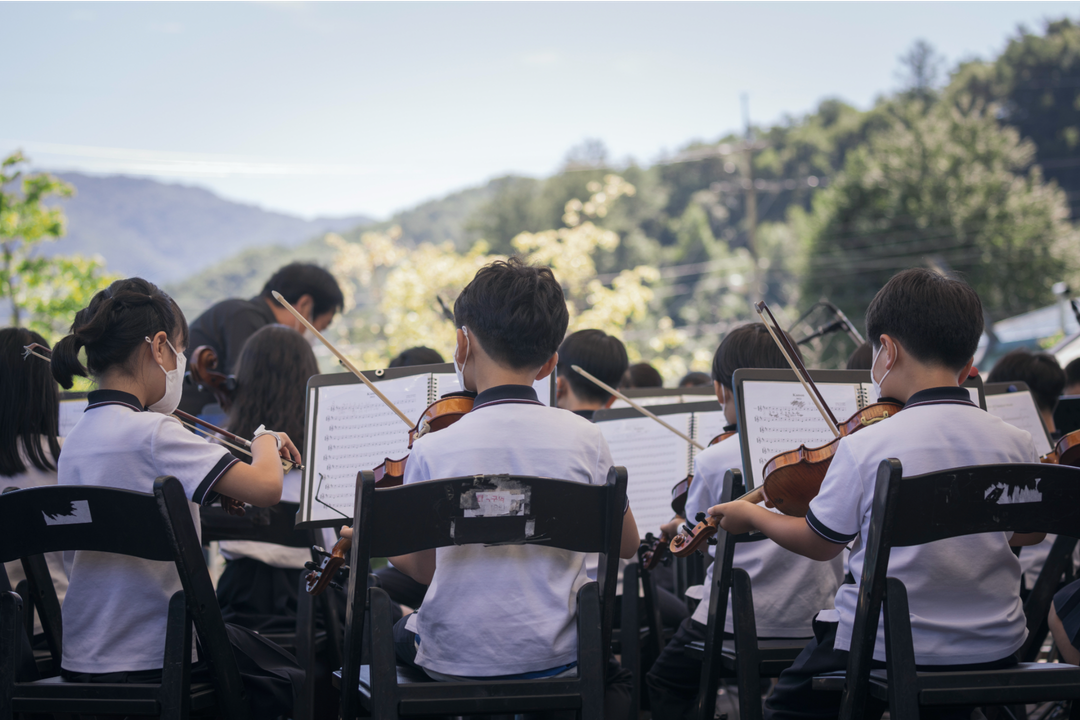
(114, 617)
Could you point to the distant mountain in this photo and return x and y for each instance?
(243, 274)
(166, 232)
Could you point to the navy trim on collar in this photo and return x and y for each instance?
(941, 395)
(500, 394)
(98, 398)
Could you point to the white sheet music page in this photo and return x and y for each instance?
(655, 459)
(708, 425)
(70, 412)
(780, 416)
(1019, 410)
(355, 431)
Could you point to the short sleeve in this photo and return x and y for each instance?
(196, 462)
(236, 330)
(836, 513)
(604, 461)
(416, 469)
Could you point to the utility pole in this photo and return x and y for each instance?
(751, 205)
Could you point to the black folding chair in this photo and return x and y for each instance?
(920, 509)
(395, 521)
(152, 527)
(744, 657)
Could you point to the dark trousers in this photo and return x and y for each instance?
(793, 697)
(617, 695)
(674, 678)
(401, 588)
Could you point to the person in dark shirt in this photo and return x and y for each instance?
(227, 325)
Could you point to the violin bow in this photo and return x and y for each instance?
(631, 403)
(792, 358)
(344, 360)
(36, 349)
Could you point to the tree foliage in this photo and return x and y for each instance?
(44, 292)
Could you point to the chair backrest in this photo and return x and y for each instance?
(906, 511)
(489, 510)
(154, 526)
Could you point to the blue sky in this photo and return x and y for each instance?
(346, 108)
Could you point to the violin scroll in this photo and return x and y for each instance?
(654, 551)
(691, 539)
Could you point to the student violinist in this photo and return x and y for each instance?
(964, 592)
(29, 427)
(788, 589)
(115, 612)
(259, 584)
(511, 318)
(600, 355)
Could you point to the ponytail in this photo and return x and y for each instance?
(113, 326)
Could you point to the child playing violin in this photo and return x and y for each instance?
(964, 592)
(788, 589)
(511, 318)
(599, 354)
(115, 612)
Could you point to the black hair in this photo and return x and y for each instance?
(641, 375)
(1039, 370)
(116, 323)
(598, 354)
(298, 279)
(937, 319)
(29, 406)
(862, 357)
(516, 311)
(271, 381)
(747, 346)
(416, 356)
(695, 379)
(1072, 372)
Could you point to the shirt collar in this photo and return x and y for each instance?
(502, 394)
(940, 395)
(98, 398)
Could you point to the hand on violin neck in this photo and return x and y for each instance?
(671, 529)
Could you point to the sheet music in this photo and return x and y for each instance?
(1019, 410)
(655, 400)
(355, 431)
(780, 416)
(70, 412)
(708, 425)
(655, 459)
(448, 383)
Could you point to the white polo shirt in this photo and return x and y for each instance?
(116, 607)
(789, 589)
(509, 609)
(964, 592)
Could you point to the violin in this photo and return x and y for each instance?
(654, 550)
(333, 564)
(442, 413)
(793, 478)
(204, 374)
(1066, 450)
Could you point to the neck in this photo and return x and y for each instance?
(1048, 420)
(125, 383)
(572, 402)
(281, 315)
(487, 373)
(922, 378)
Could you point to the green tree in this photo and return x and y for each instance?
(946, 186)
(44, 292)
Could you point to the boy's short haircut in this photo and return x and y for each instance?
(516, 311)
(419, 355)
(1039, 370)
(1072, 372)
(695, 378)
(862, 357)
(295, 280)
(747, 346)
(641, 375)
(937, 319)
(597, 353)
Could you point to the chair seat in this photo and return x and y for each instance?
(54, 695)
(775, 654)
(1026, 682)
(420, 695)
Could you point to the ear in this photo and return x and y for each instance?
(719, 390)
(967, 371)
(462, 349)
(561, 387)
(548, 367)
(159, 347)
(891, 349)
(306, 306)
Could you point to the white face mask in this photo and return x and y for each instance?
(174, 384)
(877, 383)
(460, 370)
